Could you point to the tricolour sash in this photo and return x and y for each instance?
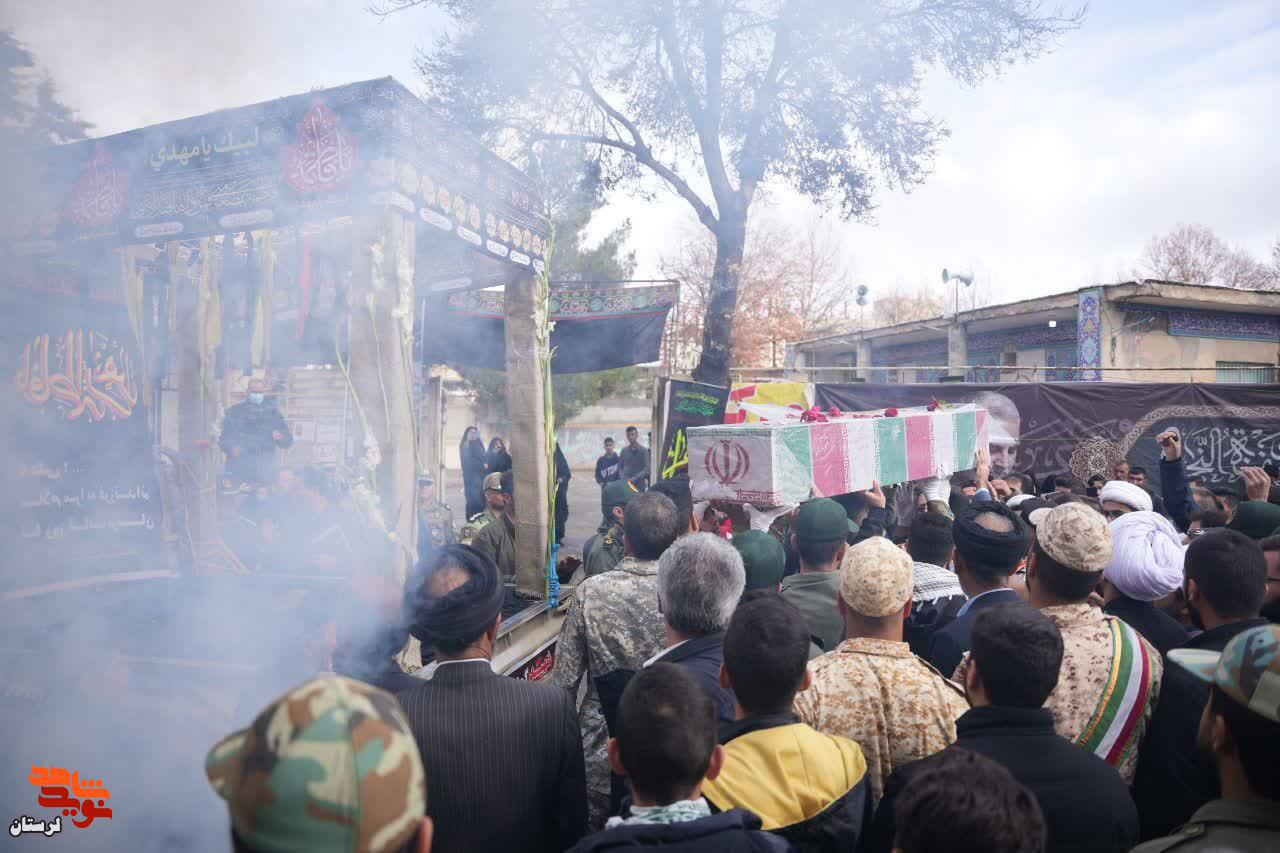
(1112, 732)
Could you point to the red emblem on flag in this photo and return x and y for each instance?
(101, 192)
(727, 462)
(322, 155)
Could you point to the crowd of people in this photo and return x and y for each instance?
(972, 664)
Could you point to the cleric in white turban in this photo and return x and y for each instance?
(1119, 497)
(1146, 565)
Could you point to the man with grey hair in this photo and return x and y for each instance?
(700, 579)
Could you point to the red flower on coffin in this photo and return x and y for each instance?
(891, 413)
(322, 155)
(834, 412)
(101, 192)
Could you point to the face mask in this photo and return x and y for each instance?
(257, 399)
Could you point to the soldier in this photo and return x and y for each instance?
(605, 550)
(821, 528)
(497, 541)
(613, 626)
(1110, 674)
(435, 521)
(1240, 729)
(871, 689)
(492, 509)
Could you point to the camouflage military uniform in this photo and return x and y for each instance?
(331, 765)
(613, 626)
(475, 524)
(893, 704)
(607, 552)
(1087, 656)
(435, 529)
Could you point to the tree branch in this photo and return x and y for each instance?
(752, 166)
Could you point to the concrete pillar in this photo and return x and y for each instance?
(957, 349)
(528, 438)
(862, 358)
(382, 282)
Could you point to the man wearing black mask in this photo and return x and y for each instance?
(1225, 580)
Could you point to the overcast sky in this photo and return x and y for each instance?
(1156, 112)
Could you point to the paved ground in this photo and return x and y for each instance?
(584, 507)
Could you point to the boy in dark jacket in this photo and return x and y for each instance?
(1014, 662)
(665, 743)
(807, 787)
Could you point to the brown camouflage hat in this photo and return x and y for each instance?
(1247, 669)
(330, 767)
(1074, 535)
(875, 577)
(493, 482)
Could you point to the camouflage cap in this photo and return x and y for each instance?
(493, 482)
(821, 520)
(1247, 669)
(1074, 535)
(875, 577)
(762, 557)
(618, 493)
(329, 766)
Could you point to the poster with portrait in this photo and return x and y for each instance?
(1083, 428)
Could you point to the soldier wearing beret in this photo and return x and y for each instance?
(872, 689)
(492, 511)
(606, 550)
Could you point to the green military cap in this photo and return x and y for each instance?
(618, 493)
(493, 482)
(1247, 669)
(1255, 519)
(762, 557)
(821, 520)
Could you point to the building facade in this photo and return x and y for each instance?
(1148, 331)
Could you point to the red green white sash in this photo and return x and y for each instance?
(1112, 732)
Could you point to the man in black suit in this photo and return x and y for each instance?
(503, 756)
(990, 541)
(1012, 669)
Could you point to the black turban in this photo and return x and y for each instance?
(463, 613)
(977, 544)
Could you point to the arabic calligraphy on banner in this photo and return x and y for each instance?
(322, 155)
(203, 150)
(101, 192)
(83, 374)
(83, 801)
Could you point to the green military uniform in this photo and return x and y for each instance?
(1247, 673)
(497, 541)
(605, 550)
(435, 529)
(475, 524)
(816, 593)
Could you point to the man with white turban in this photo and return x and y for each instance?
(1145, 566)
(1118, 497)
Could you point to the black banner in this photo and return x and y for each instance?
(686, 404)
(1082, 428)
(594, 329)
(84, 499)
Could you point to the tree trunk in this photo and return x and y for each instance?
(722, 302)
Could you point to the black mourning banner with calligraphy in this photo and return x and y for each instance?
(83, 499)
(594, 329)
(1081, 428)
(684, 405)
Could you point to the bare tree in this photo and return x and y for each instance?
(900, 305)
(1194, 254)
(715, 97)
(791, 284)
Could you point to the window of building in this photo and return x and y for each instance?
(1246, 372)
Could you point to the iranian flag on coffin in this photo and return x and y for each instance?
(776, 463)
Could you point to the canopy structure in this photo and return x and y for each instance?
(172, 251)
(335, 152)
